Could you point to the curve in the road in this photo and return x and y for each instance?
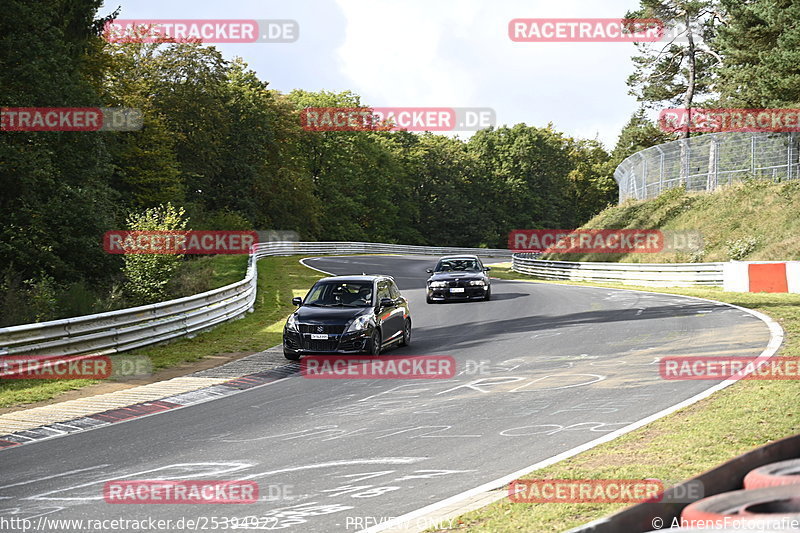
(544, 370)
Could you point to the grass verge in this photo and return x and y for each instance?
(679, 446)
(279, 279)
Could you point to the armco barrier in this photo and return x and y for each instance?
(127, 329)
(646, 274)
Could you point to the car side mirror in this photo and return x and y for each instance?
(429, 270)
(487, 269)
(297, 301)
(387, 302)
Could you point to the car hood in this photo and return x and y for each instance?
(329, 315)
(449, 276)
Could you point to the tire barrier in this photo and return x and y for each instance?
(766, 505)
(729, 476)
(774, 474)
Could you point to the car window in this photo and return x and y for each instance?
(383, 290)
(351, 294)
(458, 265)
(394, 291)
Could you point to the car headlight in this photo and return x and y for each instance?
(291, 323)
(435, 284)
(359, 323)
(478, 282)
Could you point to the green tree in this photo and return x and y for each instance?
(56, 202)
(639, 133)
(147, 275)
(592, 185)
(679, 71)
(528, 187)
(760, 42)
(146, 169)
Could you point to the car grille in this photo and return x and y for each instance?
(326, 328)
(321, 346)
(457, 283)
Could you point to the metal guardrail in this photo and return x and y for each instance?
(706, 162)
(646, 274)
(128, 329)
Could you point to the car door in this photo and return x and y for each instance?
(402, 304)
(388, 315)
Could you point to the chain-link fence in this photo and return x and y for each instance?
(706, 162)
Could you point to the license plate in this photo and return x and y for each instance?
(457, 289)
(319, 336)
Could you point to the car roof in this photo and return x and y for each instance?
(363, 277)
(459, 257)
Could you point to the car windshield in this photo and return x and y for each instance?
(458, 265)
(340, 293)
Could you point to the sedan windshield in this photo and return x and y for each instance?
(458, 265)
(341, 293)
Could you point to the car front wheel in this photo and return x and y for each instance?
(406, 333)
(291, 356)
(375, 343)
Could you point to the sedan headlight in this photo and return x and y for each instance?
(359, 323)
(291, 323)
(437, 284)
(478, 282)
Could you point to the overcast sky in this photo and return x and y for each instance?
(445, 53)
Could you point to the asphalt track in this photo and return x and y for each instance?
(543, 368)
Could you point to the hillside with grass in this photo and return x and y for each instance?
(754, 220)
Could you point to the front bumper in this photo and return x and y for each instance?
(470, 292)
(344, 343)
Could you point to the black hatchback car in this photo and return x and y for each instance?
(459, 277)
(348, 314)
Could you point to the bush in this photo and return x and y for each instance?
(741, 248)
(147, 275)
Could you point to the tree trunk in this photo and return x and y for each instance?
(688, 98)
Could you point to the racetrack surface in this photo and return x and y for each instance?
(543, 368)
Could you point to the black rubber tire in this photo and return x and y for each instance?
(406, 338)
(751, 505)
(774, 474)
(488, 295)
(375, 342)
(291, 356)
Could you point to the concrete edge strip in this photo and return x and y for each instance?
(127, 413)
(431, 514)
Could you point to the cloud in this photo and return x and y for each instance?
(457, 53)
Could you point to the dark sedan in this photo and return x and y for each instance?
(459, 277)
(348, 314)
